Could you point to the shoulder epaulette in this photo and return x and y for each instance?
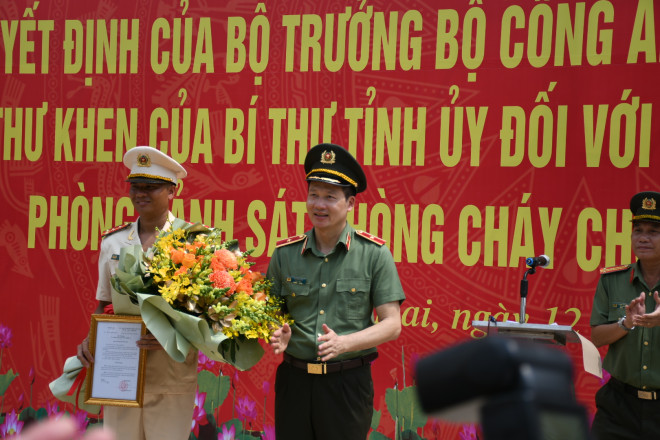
(115, 229)
(379, 241)
(613, 269)
(290, 240)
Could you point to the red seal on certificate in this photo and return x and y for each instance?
(123, 385)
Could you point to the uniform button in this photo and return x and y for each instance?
(353, 289)
(649, 293)
(323, 285)
(318, 358)
(643, 387)
(322, 312)
(293, 294)
(645, 367)
(288, 279)
(326, 260)
(646, 342)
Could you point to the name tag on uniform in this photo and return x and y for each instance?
(295, 280)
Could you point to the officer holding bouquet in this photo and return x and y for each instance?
(169, 389)
(331, 278)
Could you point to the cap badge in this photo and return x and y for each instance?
(648, 204)
(328, 157)
(143, 160)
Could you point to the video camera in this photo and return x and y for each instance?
(516, 389)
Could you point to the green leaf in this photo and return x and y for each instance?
(410, 435)
(375, 419)
(28, 414)
(215, 387)
(404, 407)
(375, 435)
(6, 380)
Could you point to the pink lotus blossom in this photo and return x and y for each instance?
(269, 433)
(5, 336)
(605, 378)
(53, 409)
(469, 432)
(246, 409)
(435, 427)
(80, 417)
(11, 426)
(227, 434)
(204, 363)
(266, 387)
(199, 414)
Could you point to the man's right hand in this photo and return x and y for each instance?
(280, 339)
(84, 355)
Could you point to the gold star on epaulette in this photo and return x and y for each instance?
(290, 240)
(613, 269)
(379, 241)
(115, 229)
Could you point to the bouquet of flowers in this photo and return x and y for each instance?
(195, 288)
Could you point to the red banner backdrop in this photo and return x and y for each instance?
(489, 132)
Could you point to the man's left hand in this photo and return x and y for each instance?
(649, 319)
(332, 344)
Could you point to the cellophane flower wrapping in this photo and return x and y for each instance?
(193, 289)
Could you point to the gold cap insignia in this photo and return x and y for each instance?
(143, 160)
(648, 204)
(328, 157)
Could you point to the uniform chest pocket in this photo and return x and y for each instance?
(295, 289)
(617, 310)
(113, 263)
(355, 298)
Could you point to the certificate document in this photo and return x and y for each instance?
(117, 375)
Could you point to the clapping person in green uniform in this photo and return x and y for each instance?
(626, 316)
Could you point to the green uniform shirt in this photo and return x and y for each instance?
(340, 289)
(633, 359)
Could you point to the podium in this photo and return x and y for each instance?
(543, 333)
(548, 333)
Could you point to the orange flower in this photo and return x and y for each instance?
(216, 265)
(222, 280)
(227, 258)
(255, 277)
(182, 270)
(176, 255)
(259, 296)
(189, 260)
(245, 285)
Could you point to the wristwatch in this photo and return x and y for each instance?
(623, 326)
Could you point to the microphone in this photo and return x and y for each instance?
(540, 261)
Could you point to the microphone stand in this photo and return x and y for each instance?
(523, 293)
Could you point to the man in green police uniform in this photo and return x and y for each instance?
(169, 389)
(626, 316)
(332, 277)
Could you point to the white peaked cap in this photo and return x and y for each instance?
(150, 165)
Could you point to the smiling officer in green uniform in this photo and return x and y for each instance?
(332, 278)
(626, 316)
